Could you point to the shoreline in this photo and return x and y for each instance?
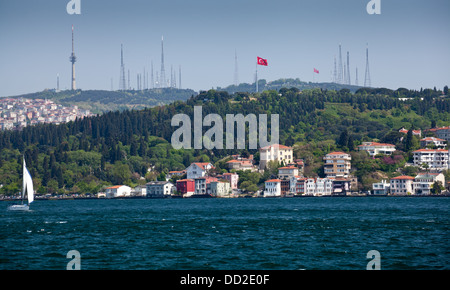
(225, 197)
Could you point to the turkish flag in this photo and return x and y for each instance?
(316, 71)
(262, 61)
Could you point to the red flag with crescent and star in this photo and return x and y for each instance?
(316, 70)
(262, 61)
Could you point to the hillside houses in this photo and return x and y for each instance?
(16, 113)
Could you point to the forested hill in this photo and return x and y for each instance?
(133, 146)
(99, 101)
(263, 85)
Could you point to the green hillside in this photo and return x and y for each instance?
(133, 146)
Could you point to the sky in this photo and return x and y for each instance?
(408, 42)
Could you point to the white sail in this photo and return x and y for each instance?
(27, 183)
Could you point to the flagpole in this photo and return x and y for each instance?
(256, 76)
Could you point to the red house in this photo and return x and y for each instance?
(186, 186)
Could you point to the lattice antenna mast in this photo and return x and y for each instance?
(356, 81)
(122, 84)
(73, 59)
(367, 81)
(340, 67)
(349, 82)
(162, 76)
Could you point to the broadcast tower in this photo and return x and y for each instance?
(73, 59)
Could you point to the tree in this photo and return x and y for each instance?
(409, 141)
(437, 187)
(446, 90)
(343, 139)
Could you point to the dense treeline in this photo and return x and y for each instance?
(133, 146)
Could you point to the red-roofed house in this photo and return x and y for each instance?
(287, 172)
(275, 152)
(443, 133)
(374, 148)
(118, 191)
(424, 142)
(402, 185)
(272, 187)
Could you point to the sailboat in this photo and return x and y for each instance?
(27, 188)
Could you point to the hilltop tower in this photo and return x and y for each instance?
(162, 77)
(367, 81)
(122, 84)
(349, 82)
(73, 59)
(340, 67)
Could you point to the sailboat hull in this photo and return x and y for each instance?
(19, 207)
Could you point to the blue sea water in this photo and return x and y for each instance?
(228, 234)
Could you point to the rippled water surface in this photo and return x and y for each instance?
(228, 234)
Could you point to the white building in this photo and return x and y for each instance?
(287, 172)
(272, 188)
(219, 188)
(402, 185)
(233, 178)
(275, 152)
(311, 186)
(423, 183)
(198, 169)
(374, 148)
(439, 143)
(160, 189)
(118, 191)
(323, 186)
(381, 188)
(436, 159)
(443, 133)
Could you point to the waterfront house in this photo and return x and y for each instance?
(402, 185)
(337, 164)
(276, 152)
(118, 191)
(374, 148)
(160, 189)
(272, 188)
(381, 188)
(423, 183)
(341, 185)
(219, 188)
(435, 159)
(198, 169)
(201, 184)
(232, 178)
(186, 186)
